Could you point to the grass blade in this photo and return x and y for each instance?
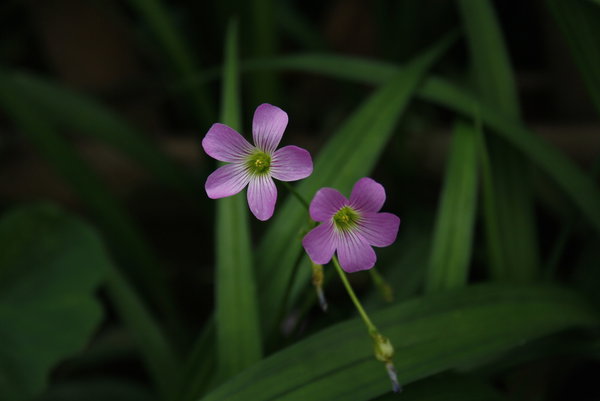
(177, 50)
(512, 215)
(80, 113)
(578, 186)
(430, 334)
(238, 332)
(580, 23)
(453, 238)
(349, 155)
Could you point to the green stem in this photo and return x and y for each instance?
(384, 288)
(296, 194)
(370, 326)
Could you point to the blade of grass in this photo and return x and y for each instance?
(453, 237)
(86, 116)
(156, 16)
(430, 335)
(263, 39)
(581, 189)
(350, 154)
(512, 214)
(236, 314)
(156, 352)
(580, 24)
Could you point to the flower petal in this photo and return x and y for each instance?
(355, 253)
(379, 229)
(367, 195)
(262, 195)
(320, 243)
(326, 203)
(291, 163)
(227, 180)
(267, 127)
(225, 144)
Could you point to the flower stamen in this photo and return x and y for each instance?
(346, 218)
(259, 163)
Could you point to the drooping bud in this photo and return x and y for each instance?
(384, 352)
(317, 280)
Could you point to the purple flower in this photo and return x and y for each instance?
(257, 165)
(350, 227)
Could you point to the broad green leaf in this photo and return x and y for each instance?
(580, 23)
(237, 322)
(156, 16)
(582, 190)
(199, 367)
(101, 389)
(120, 230)
(350, 154)
(512, 215)
(50, 268)
(84, 115)
(430, 335)
(447, 388)
(118, 227)
(453, 237)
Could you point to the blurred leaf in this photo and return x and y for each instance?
(430, 334)
(156, 16)
(453, 238)
(84, 115)
(350, 154)
(447, 388)
(98, 390)
(120, 230)
(118, 227)
(580, 23)
(298, 27)
(236, 315)
(573, 181)
(514, 256)
(50, 267)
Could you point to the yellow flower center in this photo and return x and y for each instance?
(259, 163)
(346, 218)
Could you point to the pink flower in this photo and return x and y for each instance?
(350, 227)
(257, 165)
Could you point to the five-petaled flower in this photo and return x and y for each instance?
(257, 165)
(350, 227)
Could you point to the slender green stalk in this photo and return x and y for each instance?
(363, 314)
(296, 194)
(387, 292)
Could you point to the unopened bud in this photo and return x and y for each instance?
(317, 280)
(384, 350)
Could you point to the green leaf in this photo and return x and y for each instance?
(237, 323)
(156, 16)
(580, 23)
(120, 230)
(50, 268)
(453, 238)
(430, 335)
(118, 227)
(512, 214)
(349, 155)
(572, 180)
(84, 115)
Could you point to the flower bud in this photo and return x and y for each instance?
(317, 280)
(384, 350)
